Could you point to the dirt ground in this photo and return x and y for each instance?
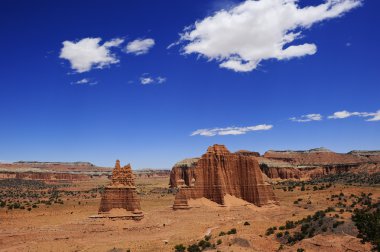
(67, 227)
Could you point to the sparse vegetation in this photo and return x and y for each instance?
(367, 220)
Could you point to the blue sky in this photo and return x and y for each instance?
(212, 79)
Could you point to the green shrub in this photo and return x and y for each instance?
(179, 248)
(232, 231)
(289, 225)
(193, 248)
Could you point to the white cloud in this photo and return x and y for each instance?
(146, 79)
(375, 116)
(307, 118)
(253, 31)
(85, 81)
(230, 130)
(139, 46)
(161, 79)
(87, 53)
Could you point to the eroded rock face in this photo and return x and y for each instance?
(317, 162)
(183, 173)
(314, 157)
(219, 172)
(276, 169)
(121, 193)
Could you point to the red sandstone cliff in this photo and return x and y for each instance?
(317, 162)
(183, 173)
(219, 172)
(294, 164)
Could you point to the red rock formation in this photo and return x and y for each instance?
(220, 172)
(318, 162)
(276, 169)
(121, 193)
(248, 153)
(314, 157)
(183, 173)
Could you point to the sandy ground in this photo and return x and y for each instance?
(68, 227)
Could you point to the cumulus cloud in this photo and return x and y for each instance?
(307, 118)
(139, 46)
(230, 130)
(374, 116)
(146, 79)
(253, 31)
(88, 53)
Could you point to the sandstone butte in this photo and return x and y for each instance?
(295, 164)
(120, 199)
(219, 172)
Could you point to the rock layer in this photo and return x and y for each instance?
(121, 193)
(317, 162)
(219, 172)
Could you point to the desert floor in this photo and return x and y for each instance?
(67, 227)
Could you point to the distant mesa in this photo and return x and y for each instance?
(219, 173)
(120, 199)
(79, 163)
(248, 153)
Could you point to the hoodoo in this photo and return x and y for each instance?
(219, 172)
(120, 199)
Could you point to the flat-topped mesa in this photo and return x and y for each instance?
(220, 172)
(318, 162)
(248, 153)
(319, 156)
(121, 195)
